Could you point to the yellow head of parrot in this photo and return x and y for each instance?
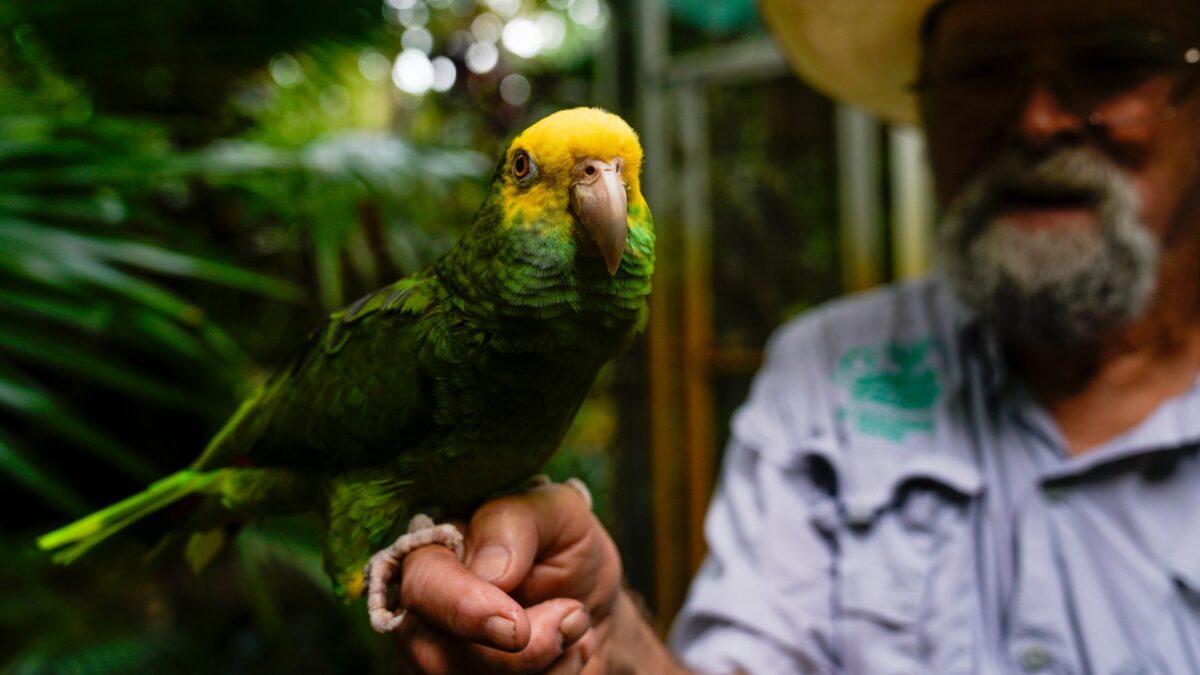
(585, 162)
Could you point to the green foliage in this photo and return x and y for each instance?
(265, 609)
(178, 61)
(90, 260)
(85, 266)
(372, 205)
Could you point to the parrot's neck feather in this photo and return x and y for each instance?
(531, 292)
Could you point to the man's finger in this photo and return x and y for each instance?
(443, 593)
(558, 626)
(576, 657)
(569, 663)
(507, 534)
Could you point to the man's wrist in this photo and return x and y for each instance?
(629, 644)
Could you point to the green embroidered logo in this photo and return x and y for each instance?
(893, 387)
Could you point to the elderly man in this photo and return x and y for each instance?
(991, 471)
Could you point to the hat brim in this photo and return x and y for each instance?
(863, 52)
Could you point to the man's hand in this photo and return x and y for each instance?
(538, 591)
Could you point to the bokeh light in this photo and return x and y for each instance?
(515, 89)
(444, 73)
(458, 41)
(553, 28)
(482, 57)
(522, 37)
(417, 16)
(584, 12)
(286, 70)
(373, 65)
(505, 8)
(487, 27)
(335, 100)
(413, 72)
(417, 38)
(462, 8)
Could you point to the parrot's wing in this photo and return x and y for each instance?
(358, 392)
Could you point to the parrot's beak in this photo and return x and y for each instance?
(599, 201)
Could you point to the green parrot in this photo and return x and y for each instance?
(448, 385)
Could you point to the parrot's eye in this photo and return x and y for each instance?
(522, 165)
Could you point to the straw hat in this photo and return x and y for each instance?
(858, 51)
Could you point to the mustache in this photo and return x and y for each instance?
(1069, 177)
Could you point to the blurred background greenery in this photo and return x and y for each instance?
(187, 187)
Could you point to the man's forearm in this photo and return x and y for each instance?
(631, 645)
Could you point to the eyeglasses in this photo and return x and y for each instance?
(1109, 80)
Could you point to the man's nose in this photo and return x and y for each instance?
(1045, 118)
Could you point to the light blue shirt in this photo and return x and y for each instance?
(893, 502)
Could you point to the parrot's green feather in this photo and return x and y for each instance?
(82, 535)
(436, 390)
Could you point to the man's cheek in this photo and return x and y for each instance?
(1151, 189)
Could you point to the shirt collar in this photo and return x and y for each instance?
(978, 345)
(981, 362)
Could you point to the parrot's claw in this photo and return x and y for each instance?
(542, 480)
(385, 565)
(582, 488)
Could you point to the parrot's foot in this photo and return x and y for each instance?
(385, 565)
(582, 488)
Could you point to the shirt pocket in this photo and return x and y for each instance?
(908, 598)
(1174, 637)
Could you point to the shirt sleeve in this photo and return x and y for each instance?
(761, 603)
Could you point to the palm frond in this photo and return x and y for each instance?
(83, 288)
(321, 188)
(20, 466)
(20, 394)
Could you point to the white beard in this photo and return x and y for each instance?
(1045, 286)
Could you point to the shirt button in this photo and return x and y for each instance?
(1053, 492)
(859, 515)
(1035, 658)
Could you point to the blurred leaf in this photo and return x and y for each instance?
(335, 176)
(157, 259)
(293, 541)
(129, 654)
(179, 59)
(379, 161)
(75, 357)
(71, 311)
(19, 394)
(39, 480)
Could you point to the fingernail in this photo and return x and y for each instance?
(490, 562)
(501, 631)
(574, 625)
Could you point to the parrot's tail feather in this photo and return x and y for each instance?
(82, 535)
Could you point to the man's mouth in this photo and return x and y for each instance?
(1038, 207)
